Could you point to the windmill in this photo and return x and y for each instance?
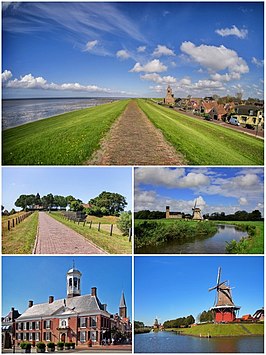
(196, 212)
(224, 307)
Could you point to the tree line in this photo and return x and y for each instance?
(237, 216)
(179, 322)
(107, 203)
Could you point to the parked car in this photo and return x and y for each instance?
(234, 121)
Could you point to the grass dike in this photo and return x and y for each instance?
(67, 139)
(222, 330)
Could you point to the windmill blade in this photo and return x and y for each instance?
(219, 275)
(220, 284)
(213, 288)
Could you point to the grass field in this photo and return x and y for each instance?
(253, 244)
(217, 330)
(104, 219)
(21, 239)
(204, 143)
(115, 244)
(67, 139)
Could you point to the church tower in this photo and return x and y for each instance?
(122, 307)
(73, 282)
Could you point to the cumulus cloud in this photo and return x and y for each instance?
(216, 59)
(170, 177)
(154, 66)
(141, 49)
(257, 62)
(122, 54)
(6, 75)
(243, 201)
(30, 82)
(162, 50)
(159, 79)
(233, 31)
(90, 45)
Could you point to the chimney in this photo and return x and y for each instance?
(12, 314)
(94, 291)
(51, 299)
(30, 304)
(104, 307)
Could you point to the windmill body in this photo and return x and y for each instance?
(224, 308)
(196, 213)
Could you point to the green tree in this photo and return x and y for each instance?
(125, 222)
(48, 201)
(113, 202)
(24, 201)
(37, 200)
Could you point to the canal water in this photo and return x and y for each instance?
(209, 245)
(170, 342)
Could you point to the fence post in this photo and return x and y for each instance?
(111, 231)
(84, 223)
(99, 227)
(13, 223)
(90, 224)
(129, 234)
(8, 225)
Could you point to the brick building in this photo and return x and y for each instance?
(76, 318)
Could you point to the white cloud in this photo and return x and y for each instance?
(216, 59)
(234, 31)
(159, 79)
(154, 66)
(6, 75)
(162, 50)
(141, 49)
(30, 82)
(122, 54)
(243, 201)
(257, 62)
(157, 88)
(90, 45)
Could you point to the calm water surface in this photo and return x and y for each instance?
(18, 112)
(170, 342)
(210, 245)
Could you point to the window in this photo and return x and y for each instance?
(251, 112)
(25, 325)
(37, 336)
(48, 324)
(19, 336)
(94, 336)
(37, 325)
(75, 282)
(24, 336)
(63, 323)
(82, 337)
(93, 321)
(30, 337)
(48, 336)
(30, 327)
(70, 282)
(83, 322)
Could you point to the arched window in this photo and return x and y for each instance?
(70, 282)
(75, 282)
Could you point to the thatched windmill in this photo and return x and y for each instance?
(196, 212)
(224, 307)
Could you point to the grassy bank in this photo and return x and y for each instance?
(67, 139)
(253, 244)
(142, 330)
(104, 219)
(204, 143)
(21, 239)
(156, 232)
(115, 244)
(220, 330)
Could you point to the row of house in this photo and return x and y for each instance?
(76, 318)
(248, 114)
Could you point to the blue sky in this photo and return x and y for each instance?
(36, 278)
(81, 182)
(216, 189)
(132, 49)
(175, 286)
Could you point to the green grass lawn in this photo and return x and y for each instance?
(115, 244)
(21, 239)
(204, 143)
(67, 139)
(216, 330)
(254, 244)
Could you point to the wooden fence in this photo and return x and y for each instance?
(12, 222)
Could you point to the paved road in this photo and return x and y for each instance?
(56, 238)
(133, 140)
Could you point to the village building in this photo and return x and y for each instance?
(169, 99)
(76, 318)
(249, 115)
(9, 328)
(176, 215)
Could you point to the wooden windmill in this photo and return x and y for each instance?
(196, 212)
(224, 308)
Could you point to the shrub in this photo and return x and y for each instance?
(40, 345)
(125, 222)
(51, 345)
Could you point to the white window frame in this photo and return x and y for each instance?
(93, 318)
(63, 321)
(83, 322)
(37, 325)
(24, 325)
(48, 324)
(37, 336)
(82, 336)
(24, 336)
(48, 336)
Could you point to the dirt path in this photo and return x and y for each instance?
(133, 140)
(56, 238)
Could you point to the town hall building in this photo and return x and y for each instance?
(76, 318)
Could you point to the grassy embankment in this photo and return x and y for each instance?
(67, 139)
(253, 243)
(142, 330)
(220, 330)
(21, 238)
(156, 232)
(115, 244)
(204, 143)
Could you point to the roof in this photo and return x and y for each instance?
(79, 304)
(122, 301)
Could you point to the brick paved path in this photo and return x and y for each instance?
(56, 238)
(133, 140)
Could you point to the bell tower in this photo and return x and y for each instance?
(122, 307)
(73, 282)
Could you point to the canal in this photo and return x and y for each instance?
(170, 342)
(209, 245)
